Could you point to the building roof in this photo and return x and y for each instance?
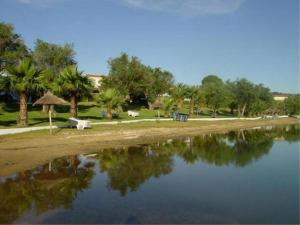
(94, 75)
(280, 94)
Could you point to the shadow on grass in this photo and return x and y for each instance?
(36, 121)
(91, 117)
(8, 123)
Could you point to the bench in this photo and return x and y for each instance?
(79, 124)
(180, 116)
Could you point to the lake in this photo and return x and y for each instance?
(245, 177)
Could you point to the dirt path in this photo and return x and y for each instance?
(25, 151)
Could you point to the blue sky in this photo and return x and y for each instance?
(253, 39)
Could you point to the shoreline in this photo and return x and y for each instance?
(28, 150)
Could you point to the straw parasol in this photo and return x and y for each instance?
(50, 99)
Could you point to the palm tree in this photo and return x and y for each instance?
(23, 80)
(179, 93)
(111, 99)
(72, 83)
(193, 93)
(167, 103)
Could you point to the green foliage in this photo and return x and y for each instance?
(211, 79)
(179, 92)
(71, 82)
(12, 47)
(168, 104)
(159, 82)
(215, 92)
(136, 80)
(292, 104)
(248, 98)
(111, 99)
(52, 58)
(21, 78)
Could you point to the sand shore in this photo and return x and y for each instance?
(25, 151)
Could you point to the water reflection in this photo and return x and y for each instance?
(56, 184)
(47, 187)
(128, 168)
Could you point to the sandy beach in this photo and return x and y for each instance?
(25, 151)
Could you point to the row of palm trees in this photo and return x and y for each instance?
(25, 79)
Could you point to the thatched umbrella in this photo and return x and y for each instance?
(50, 99)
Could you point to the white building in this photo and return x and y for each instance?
(96, 78)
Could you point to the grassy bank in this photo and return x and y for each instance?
(86, 110)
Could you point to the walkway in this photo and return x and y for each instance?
(27, 129)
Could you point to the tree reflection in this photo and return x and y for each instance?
(57, 184)
(47, 187)
(128, 169)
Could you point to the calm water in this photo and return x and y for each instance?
(249, 176)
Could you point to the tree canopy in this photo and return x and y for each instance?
(12, 47)
(136, 80)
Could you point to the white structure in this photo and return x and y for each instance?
(280, 96)
(80, 124)
(133, 114)
(96, 78)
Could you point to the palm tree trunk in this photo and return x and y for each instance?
(109, 113)
(179, 103)
(23, 115)
(192, 107)
(73, 109)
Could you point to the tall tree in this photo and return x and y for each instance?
(292, 104)
(136, 80)
(52, 58)
(193, 93)
(249, 98)
(243, 94)
(126, 75)
(168, 104)
(159, 82)
(12, 47)
(178, 93)
(23, 80)
(263, 100)
(215, 93)
(74, 85)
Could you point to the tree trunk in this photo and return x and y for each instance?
(150, 106)
(192, 107)
(109, 113)
(214, 113)
(239, 111)
(179, 103)
(73, 108)
(23, 115)
(243, 110)
(166, 113)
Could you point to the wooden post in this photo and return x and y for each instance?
(50, 120)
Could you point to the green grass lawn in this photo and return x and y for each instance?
(86, 110)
